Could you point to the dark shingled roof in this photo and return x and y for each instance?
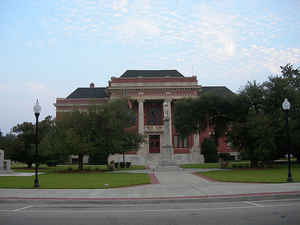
(151, 73)
(89, 93)
(218, 90)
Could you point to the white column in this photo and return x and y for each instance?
(170, 125)
(196, 140)
(168, 101)
(141, 116)
(142, 151)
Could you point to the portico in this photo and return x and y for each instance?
(148, 93)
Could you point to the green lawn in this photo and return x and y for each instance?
(77, 180)
(200, 166)
(68, 176)
(265, 175)
(213, 165)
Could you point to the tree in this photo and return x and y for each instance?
(77, 136)
(189, 117)
(247, 110)
(279, 87)
(99, 131)
(209, 110)
(258, 128)
(111, 132)
(53, 148)
(8, 143)
(22, 148)
(23, 151)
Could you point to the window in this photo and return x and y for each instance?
(153, 113)
(180, 142)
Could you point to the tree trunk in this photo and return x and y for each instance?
(253, 163)
(80, 161)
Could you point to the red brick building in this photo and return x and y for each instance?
(148, 90)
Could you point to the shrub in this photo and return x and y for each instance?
(51, 163)
(209, 150)
(225, 156)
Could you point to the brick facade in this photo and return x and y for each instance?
(147, 95)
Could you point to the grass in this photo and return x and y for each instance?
(69, 177)
(200, 166)
(77, 180)
(263, 175)
(213, 165)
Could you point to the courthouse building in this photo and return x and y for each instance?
(149, 91)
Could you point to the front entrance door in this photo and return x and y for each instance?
(154, 143)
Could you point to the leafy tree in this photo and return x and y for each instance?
(247, 108)
(76, 136)
(286, 85)
(194, 115)
(8, 143)
(258, 128)
(53, 148)
(295, 137)
(112, 135)
(100, 131)
(23, 151)
(22, 147)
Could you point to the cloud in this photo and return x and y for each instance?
(272, 58)
(120, 6)
(39, 89)
(135, 28)
(185, 34)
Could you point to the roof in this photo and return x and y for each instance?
(151, 73)
(218, 90)
(99, 92)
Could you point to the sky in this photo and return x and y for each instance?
(48, 48)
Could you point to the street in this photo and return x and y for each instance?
(256, 212)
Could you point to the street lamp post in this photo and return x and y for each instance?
(36, 109)
(286, 107)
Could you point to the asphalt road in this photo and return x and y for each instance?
(251, 212)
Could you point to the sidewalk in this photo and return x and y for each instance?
(169, 185)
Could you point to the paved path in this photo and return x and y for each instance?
(179, 184)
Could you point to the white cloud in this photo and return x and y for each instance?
(228, 45)
(120, 5)
(231, 43)
(135, 28)
(35, 87)
(38, 89)
(271, 58)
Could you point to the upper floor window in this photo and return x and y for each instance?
(153, 113)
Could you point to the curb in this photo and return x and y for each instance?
(203, 198)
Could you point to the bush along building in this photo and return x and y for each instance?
(152, 95)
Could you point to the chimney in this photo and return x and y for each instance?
(92, 85)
